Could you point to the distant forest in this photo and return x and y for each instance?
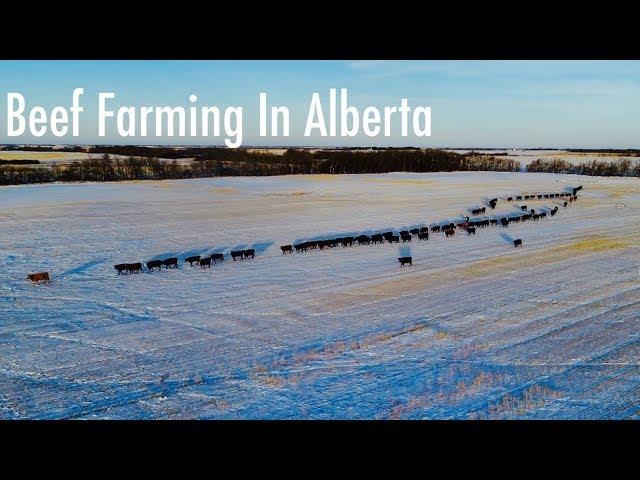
(214, 162)
(161, 163)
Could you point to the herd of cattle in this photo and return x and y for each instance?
(449, 229)
(422, 233)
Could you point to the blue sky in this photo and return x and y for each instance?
(586, 104)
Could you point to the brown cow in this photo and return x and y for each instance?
(39, 277)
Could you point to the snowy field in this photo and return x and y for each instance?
(474, 329)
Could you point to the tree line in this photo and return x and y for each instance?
(619, 168)
(216, 162)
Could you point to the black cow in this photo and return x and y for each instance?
(286, 248)
(393, 239)
(449, 232)
(217, 256)
(517, 242)
(523, 207)
(205, 262)
(154, 264)
(404, 232)
(565, 204)
(404, 260)
(423, 236)
(238, 254)
(519, 197)
(509, 199)
(471, 230)
(553, 212)
(424, 229)
(377, 238)
(170, 262)
(539, 197)
(405, 238)
(134, 267)
(543, 215)
(122, 267)
(492, 204)
(414, 231)
(363, 240)
(347, 241)
(435, 229)
(504, 222)
(192, 260)
(250, 252)
(300, 247)
(494, 221)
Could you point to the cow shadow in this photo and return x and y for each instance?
(261, 247)
(506, 237)
(404, 251)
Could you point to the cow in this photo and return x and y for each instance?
(404, 232)
(424, 229)
(39, 277)
(492, 204)
(565, 204)
(134, 267)
(205, 262)
(523, 207)
(300, 247)
(377, 238)
(509, 199)
(517, 242)
(239, 254)
(405, 238)
(121, 267)
(476, 211)
(393, 239)
(423, 236)
(504, 221)
(435, 229)
(543, 215)
(414, 231)
(250, 252)
(539, 197)
(494, 221)
(151, 264)
(286, 248)
(217, 256)
(347, 241)
(471, 231)
(363, 240)
(519, 197)
(404, 260)
(553, 212)
(170, 262)
(449, 232)
(532, 211)
(194, 259)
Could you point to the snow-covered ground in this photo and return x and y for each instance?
(475, 329)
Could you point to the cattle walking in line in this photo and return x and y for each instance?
(151, 264)
(238, 254)
(250, 252)
(194, 259)
(404, 260)
(300, 247)
(517, 242)
(39, 277)
(170, 262)
(286, 249)
(471, 230)
(205, 262)
(423, 236)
